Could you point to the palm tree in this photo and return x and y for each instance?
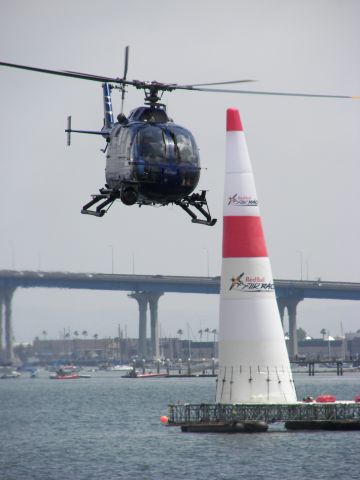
(200, 332)
(95, 337)
(323, 333)
(214, 332)
(76, 334)
(44, 332)
(67, 335)
(84, 333)
(207, 331)
(180, 332)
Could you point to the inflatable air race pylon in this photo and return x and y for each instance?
(254, 365)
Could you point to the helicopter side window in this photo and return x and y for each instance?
(150, 144)
(124, 142)
(185, 149)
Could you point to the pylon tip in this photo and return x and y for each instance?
(233, 122)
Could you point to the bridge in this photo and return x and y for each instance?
(147, 289)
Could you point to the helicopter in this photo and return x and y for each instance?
(150, 160)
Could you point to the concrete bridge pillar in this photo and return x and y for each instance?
(6, 354)
(281, 306)
(293, 342)
(291, 303)
(155, 341)
(1, 324)
(143, 299)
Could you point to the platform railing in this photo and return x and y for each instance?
(187, 414)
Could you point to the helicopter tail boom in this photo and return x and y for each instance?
(69, 131)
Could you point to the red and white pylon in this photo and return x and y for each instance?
(254, 365)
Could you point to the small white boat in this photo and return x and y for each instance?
(121, 368)
(8, 373)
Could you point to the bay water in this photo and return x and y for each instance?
(107, 427)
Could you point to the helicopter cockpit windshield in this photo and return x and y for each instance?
(185, 149)
(150, 144)
(171, 145)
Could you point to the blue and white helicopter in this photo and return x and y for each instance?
(150, 160)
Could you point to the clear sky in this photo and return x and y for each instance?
(305, 152)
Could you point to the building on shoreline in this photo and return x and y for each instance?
(118, 350)
(124, 350)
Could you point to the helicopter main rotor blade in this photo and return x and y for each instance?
(124, 77)
(168, 87)
(254, 92)
(214, 83)
(126, 62)
(65, 73)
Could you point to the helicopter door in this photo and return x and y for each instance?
(149, 154)
(118, 156)
(185, 155)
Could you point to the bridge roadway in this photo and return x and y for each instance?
(147, 289)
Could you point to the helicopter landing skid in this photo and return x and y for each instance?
(107, 197)
(197, 200)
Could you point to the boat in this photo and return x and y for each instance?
(151, 375)
(135, 374)
(67, 372)
(121, 368)
(325, 399)
(8, 373)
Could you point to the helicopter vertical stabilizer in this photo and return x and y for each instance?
(68, 130)
(108, 111)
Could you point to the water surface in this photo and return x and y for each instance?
(107, 427)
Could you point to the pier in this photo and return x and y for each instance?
(214, 417)
(311, 367)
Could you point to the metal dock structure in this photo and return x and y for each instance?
(213, 417)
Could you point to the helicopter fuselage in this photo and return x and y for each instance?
(150, 159)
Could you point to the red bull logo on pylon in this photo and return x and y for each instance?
(254, 365)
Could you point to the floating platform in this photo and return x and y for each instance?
(238, 427)
(246, 418)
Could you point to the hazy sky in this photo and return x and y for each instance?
(305, 152)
